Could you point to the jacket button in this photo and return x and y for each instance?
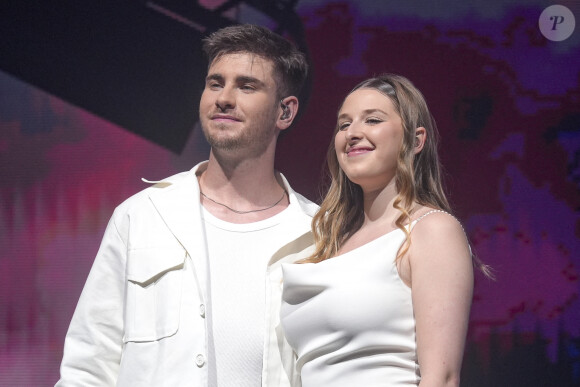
(199, 360)
(202, 310)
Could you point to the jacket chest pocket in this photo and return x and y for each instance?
(154, 287)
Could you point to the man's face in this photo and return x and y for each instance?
(239, 107)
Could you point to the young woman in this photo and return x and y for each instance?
(385, 298)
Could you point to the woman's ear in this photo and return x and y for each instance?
(420, 138)
(288, 111)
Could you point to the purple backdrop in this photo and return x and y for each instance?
(506, 100)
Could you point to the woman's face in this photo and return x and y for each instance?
(368, 140)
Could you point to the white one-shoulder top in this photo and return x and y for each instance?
(350, 318)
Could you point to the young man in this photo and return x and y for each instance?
(185, 289)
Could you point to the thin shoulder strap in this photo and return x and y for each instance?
(445, 212)
(432, 212)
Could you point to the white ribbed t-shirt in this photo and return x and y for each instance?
(238, 257)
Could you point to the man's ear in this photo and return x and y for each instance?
(420, 138)
(287, 112)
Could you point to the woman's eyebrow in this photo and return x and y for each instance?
(365, 112)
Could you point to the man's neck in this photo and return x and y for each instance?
(243, 185)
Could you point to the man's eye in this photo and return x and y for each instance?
(213, 85)
(247, 88)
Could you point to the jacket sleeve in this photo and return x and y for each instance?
(94, 341)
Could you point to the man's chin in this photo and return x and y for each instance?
(224, 143)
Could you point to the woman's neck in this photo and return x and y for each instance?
(378, 205)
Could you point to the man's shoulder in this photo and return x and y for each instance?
(142, 198)
(308, 207)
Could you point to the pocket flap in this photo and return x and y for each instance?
(146, 264)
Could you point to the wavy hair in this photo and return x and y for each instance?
(290, 64)
(417, 179)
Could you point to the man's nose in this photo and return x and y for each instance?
(225, 99)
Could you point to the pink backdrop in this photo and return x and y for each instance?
(507, 102)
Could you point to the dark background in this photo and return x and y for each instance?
(95, 95)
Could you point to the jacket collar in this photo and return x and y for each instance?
(178, 203)
(179, 206)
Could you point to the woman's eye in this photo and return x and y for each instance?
(373, 121)
(343, 125)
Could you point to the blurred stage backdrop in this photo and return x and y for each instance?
(95, 96)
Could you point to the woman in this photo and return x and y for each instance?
(385, 298)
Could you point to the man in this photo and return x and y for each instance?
(185, 288)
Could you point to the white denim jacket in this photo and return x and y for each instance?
(140, 320)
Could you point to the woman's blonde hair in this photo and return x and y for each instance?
(418, 175)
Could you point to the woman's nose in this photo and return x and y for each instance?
(353, 132)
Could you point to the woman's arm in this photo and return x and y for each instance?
(442, 289)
